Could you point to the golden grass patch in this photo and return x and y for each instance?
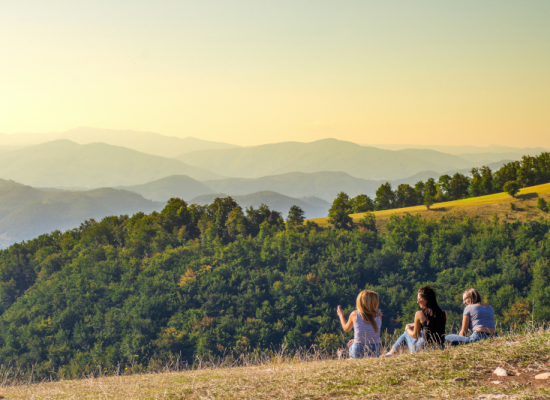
(456, 373)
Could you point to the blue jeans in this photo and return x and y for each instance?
(455, 340)
(360, 350)
(413, 344)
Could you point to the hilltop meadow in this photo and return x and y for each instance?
(456, 373)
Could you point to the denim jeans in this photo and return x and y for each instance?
(413, 344)
(455, 340)
(360, 350)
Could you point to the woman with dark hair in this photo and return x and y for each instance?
(429, 324)
(478, 317)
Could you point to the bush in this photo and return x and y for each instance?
(511, 187)
(512, 207)
(542, 205)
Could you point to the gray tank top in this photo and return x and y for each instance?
(363, 331)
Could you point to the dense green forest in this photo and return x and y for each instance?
(529, 171)
(193, 280)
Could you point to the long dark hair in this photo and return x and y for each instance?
(432, 309)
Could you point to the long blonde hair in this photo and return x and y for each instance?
(367, 307)
(474, 296)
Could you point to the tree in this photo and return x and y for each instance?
(428, 200)
(444, 186)
(511, 187)
(405, 196)
(486, 180)
(431, 187)
(236, 223)
(508, 172)
(256, 217)
(542, 205)
(384, 197)
(458, 187)
(368, 222)
(361, 203)
(419, 188)
(476, 186)
(295, 217)
(338, 214)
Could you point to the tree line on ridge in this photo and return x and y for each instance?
(510, 178)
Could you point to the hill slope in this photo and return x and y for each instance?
(4, 183)
(26, 212)
(475, 207)
(145, 142)
(313, 206)
(458, 373)
(63, 163)
(322, 155)
(180, 186)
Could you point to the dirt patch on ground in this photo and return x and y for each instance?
(519, 379)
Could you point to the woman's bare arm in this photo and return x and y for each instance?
(415, 332)
(346, 325)
(465, 325)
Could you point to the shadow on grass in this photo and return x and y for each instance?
(527, 196)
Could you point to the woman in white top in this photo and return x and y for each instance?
(366, 322)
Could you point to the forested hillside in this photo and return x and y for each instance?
(201, 280)
(510, 177)
(313, 207)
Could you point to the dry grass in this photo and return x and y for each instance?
(483, 207)
(456, 373)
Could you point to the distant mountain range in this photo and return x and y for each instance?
(324, 185)
(145, 142)
(63, 163)
(163, 189)
(323, 155)
(466, 150)
(314, 207)
(27, 212)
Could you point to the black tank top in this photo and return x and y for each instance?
(433, 329)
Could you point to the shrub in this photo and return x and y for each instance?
(511, 187)
(542, 205)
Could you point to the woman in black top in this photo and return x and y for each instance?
(429, 324)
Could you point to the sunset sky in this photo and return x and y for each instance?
(253, 72)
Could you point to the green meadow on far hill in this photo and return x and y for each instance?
(525, 203)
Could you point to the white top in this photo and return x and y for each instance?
(363, 331)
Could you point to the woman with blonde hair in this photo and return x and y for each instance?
(366, 322)
(478, 317)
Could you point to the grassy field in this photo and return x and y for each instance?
(476, 207)
(456, 373)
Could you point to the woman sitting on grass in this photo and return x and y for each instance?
(478, 317)
(366, 322)
(429, 324)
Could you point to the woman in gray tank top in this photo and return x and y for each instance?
(478, 318)
(366, 322)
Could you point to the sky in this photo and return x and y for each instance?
(254, 72)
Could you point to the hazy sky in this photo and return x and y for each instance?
(251, 72)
